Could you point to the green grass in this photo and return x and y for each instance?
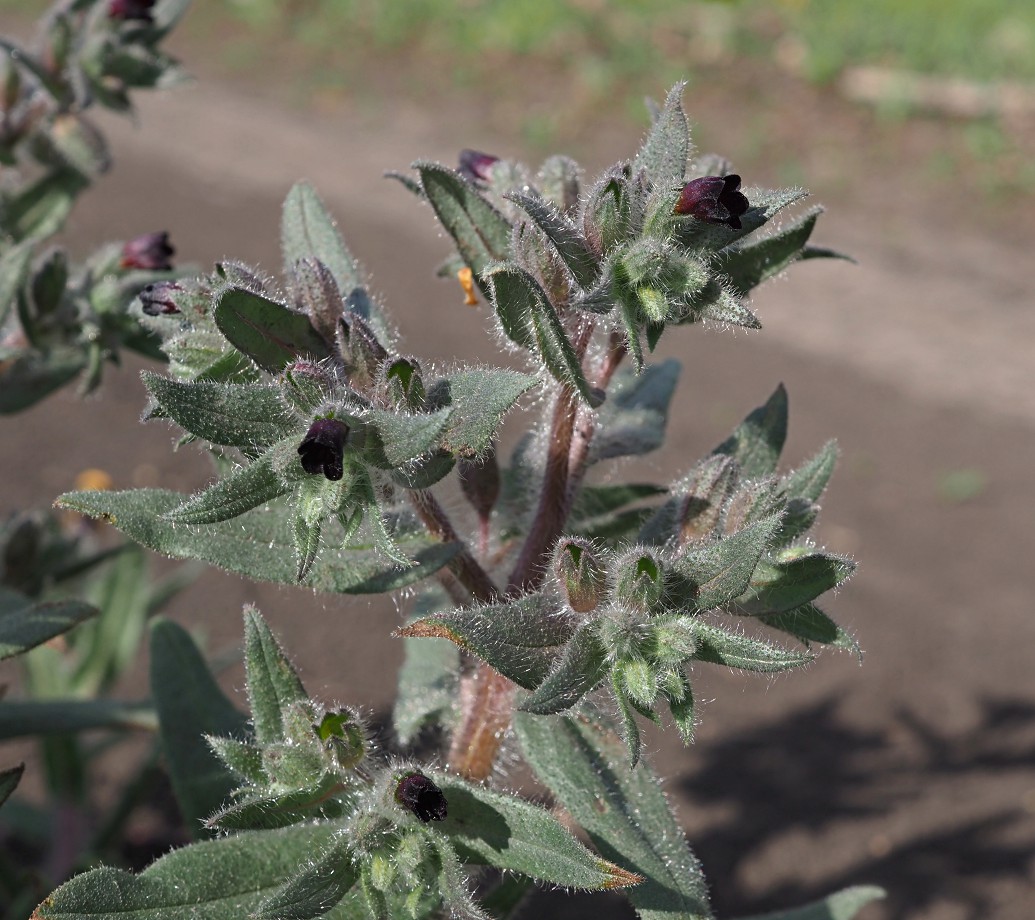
(977, 39)
(608, 42)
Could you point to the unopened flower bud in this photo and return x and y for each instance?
(714, 199)
(308, 385)
(343, 733)
(323, 448)
(361, 351)
(638, 679)
(160, 298)
(476, 166)
(149, 252)
(404, 383)
(421, 796)
(480, 482)
(131, 9)
(639, 580)
(581, 577)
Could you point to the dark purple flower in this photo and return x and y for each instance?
(715, 199)
(475, 165)
(150, 252)
(131, 9)
(421, 796)
(322, 448)
(159, 298)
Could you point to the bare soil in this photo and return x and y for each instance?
(916, 771)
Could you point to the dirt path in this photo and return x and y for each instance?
(916, 771)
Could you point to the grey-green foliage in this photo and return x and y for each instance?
(718, 544)
(65, 320)
(328, 438)
(313, 814)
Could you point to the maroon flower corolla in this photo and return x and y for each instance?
(159, 298)
(149, 252)
(421, 796)
(131, 9)
(475, 165)
(714, 199)
(322, 448)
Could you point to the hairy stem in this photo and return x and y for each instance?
(587, 423)
(487, 698)
(464, 567)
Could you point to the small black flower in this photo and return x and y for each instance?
(715, 199)
(131, 9)
(421, 796)
(475, 165)
(159, 298)
(150, 252)
(322, 448)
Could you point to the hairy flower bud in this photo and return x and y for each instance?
(149, 252)
(160, 298)
(714, 199)
(343, 734)
(476, 166)
(581, 577)
(131, 9)
(323, 448)
(421, 796)
(361, 351)
(404, 383)
(639, 580)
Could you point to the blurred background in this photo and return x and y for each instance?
(913, 121)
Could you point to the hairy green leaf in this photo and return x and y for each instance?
(780, 586)
(633, 419)
(273, 684)
(245, 488)
(510, 833)
(307, 230)
(481, 233)
(622, 809)
(570, 244)
(665, 151)
(479, 397)
(581, 666)
(810, 624)
(530, 320)
(26, 623)
(758, 440)
(748, 264)
(260, 544)
(802, 489)
(190, 705)
(318, 887)
(405, 436)
(318, 801)
(224, 879)
(266, 331)
(235, 415)
(717, 646)
(713, 574)
(695, 508)
(520, 638)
